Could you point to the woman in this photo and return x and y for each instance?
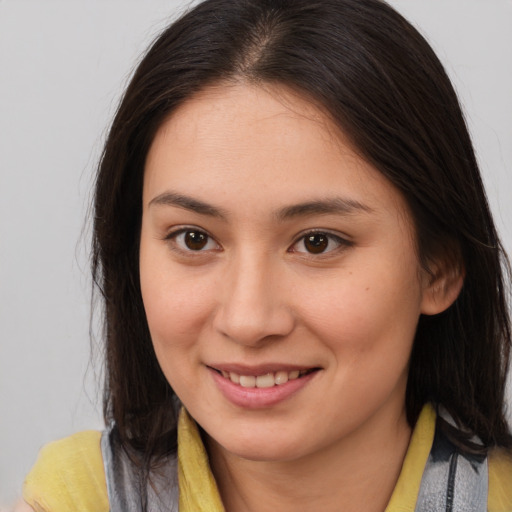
(293, 242)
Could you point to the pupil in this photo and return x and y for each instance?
(195, 240)
(316, 243)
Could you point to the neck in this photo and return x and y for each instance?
(357, 473)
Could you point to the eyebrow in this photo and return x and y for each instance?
(334, 205)
(188, 203)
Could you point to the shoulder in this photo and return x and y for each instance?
(500, 480)
(68, 475)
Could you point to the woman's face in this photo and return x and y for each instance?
(279, 275)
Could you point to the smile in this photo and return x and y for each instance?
(262, 386)
(266, 380)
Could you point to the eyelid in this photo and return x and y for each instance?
(343, 241)
(176, 231)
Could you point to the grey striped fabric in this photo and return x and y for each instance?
(453, 481)
(125, 487)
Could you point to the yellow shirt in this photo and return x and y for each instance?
(69, 474)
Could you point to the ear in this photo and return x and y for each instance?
(442, 285)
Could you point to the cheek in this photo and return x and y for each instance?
(370, 314)
(176, 317)
(177, 302)
(173, 314)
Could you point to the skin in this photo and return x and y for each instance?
(22, 506)
(244, 157)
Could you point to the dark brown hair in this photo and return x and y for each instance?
(380, 81)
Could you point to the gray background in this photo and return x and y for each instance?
(63, 65)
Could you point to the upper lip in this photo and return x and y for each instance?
(260, 369)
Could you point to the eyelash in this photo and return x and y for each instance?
(202, 235)
(173, 236)
(340, 242)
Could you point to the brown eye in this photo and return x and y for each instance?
(319, 242)
(192, 240)
(195, 240)
(316, 243)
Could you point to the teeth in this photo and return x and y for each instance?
(281, 378)
(263, 381)
(247, 381)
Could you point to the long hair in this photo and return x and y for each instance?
(380, 81)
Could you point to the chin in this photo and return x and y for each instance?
(263, 447)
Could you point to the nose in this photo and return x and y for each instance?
(253, 307)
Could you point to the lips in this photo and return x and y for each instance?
(264, 380)
(260, 386)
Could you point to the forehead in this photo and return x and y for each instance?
(243, 142)
(235, 119)
(236, 103)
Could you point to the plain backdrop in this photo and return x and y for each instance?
(63, 65)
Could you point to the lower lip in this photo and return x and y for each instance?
(259, 398)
